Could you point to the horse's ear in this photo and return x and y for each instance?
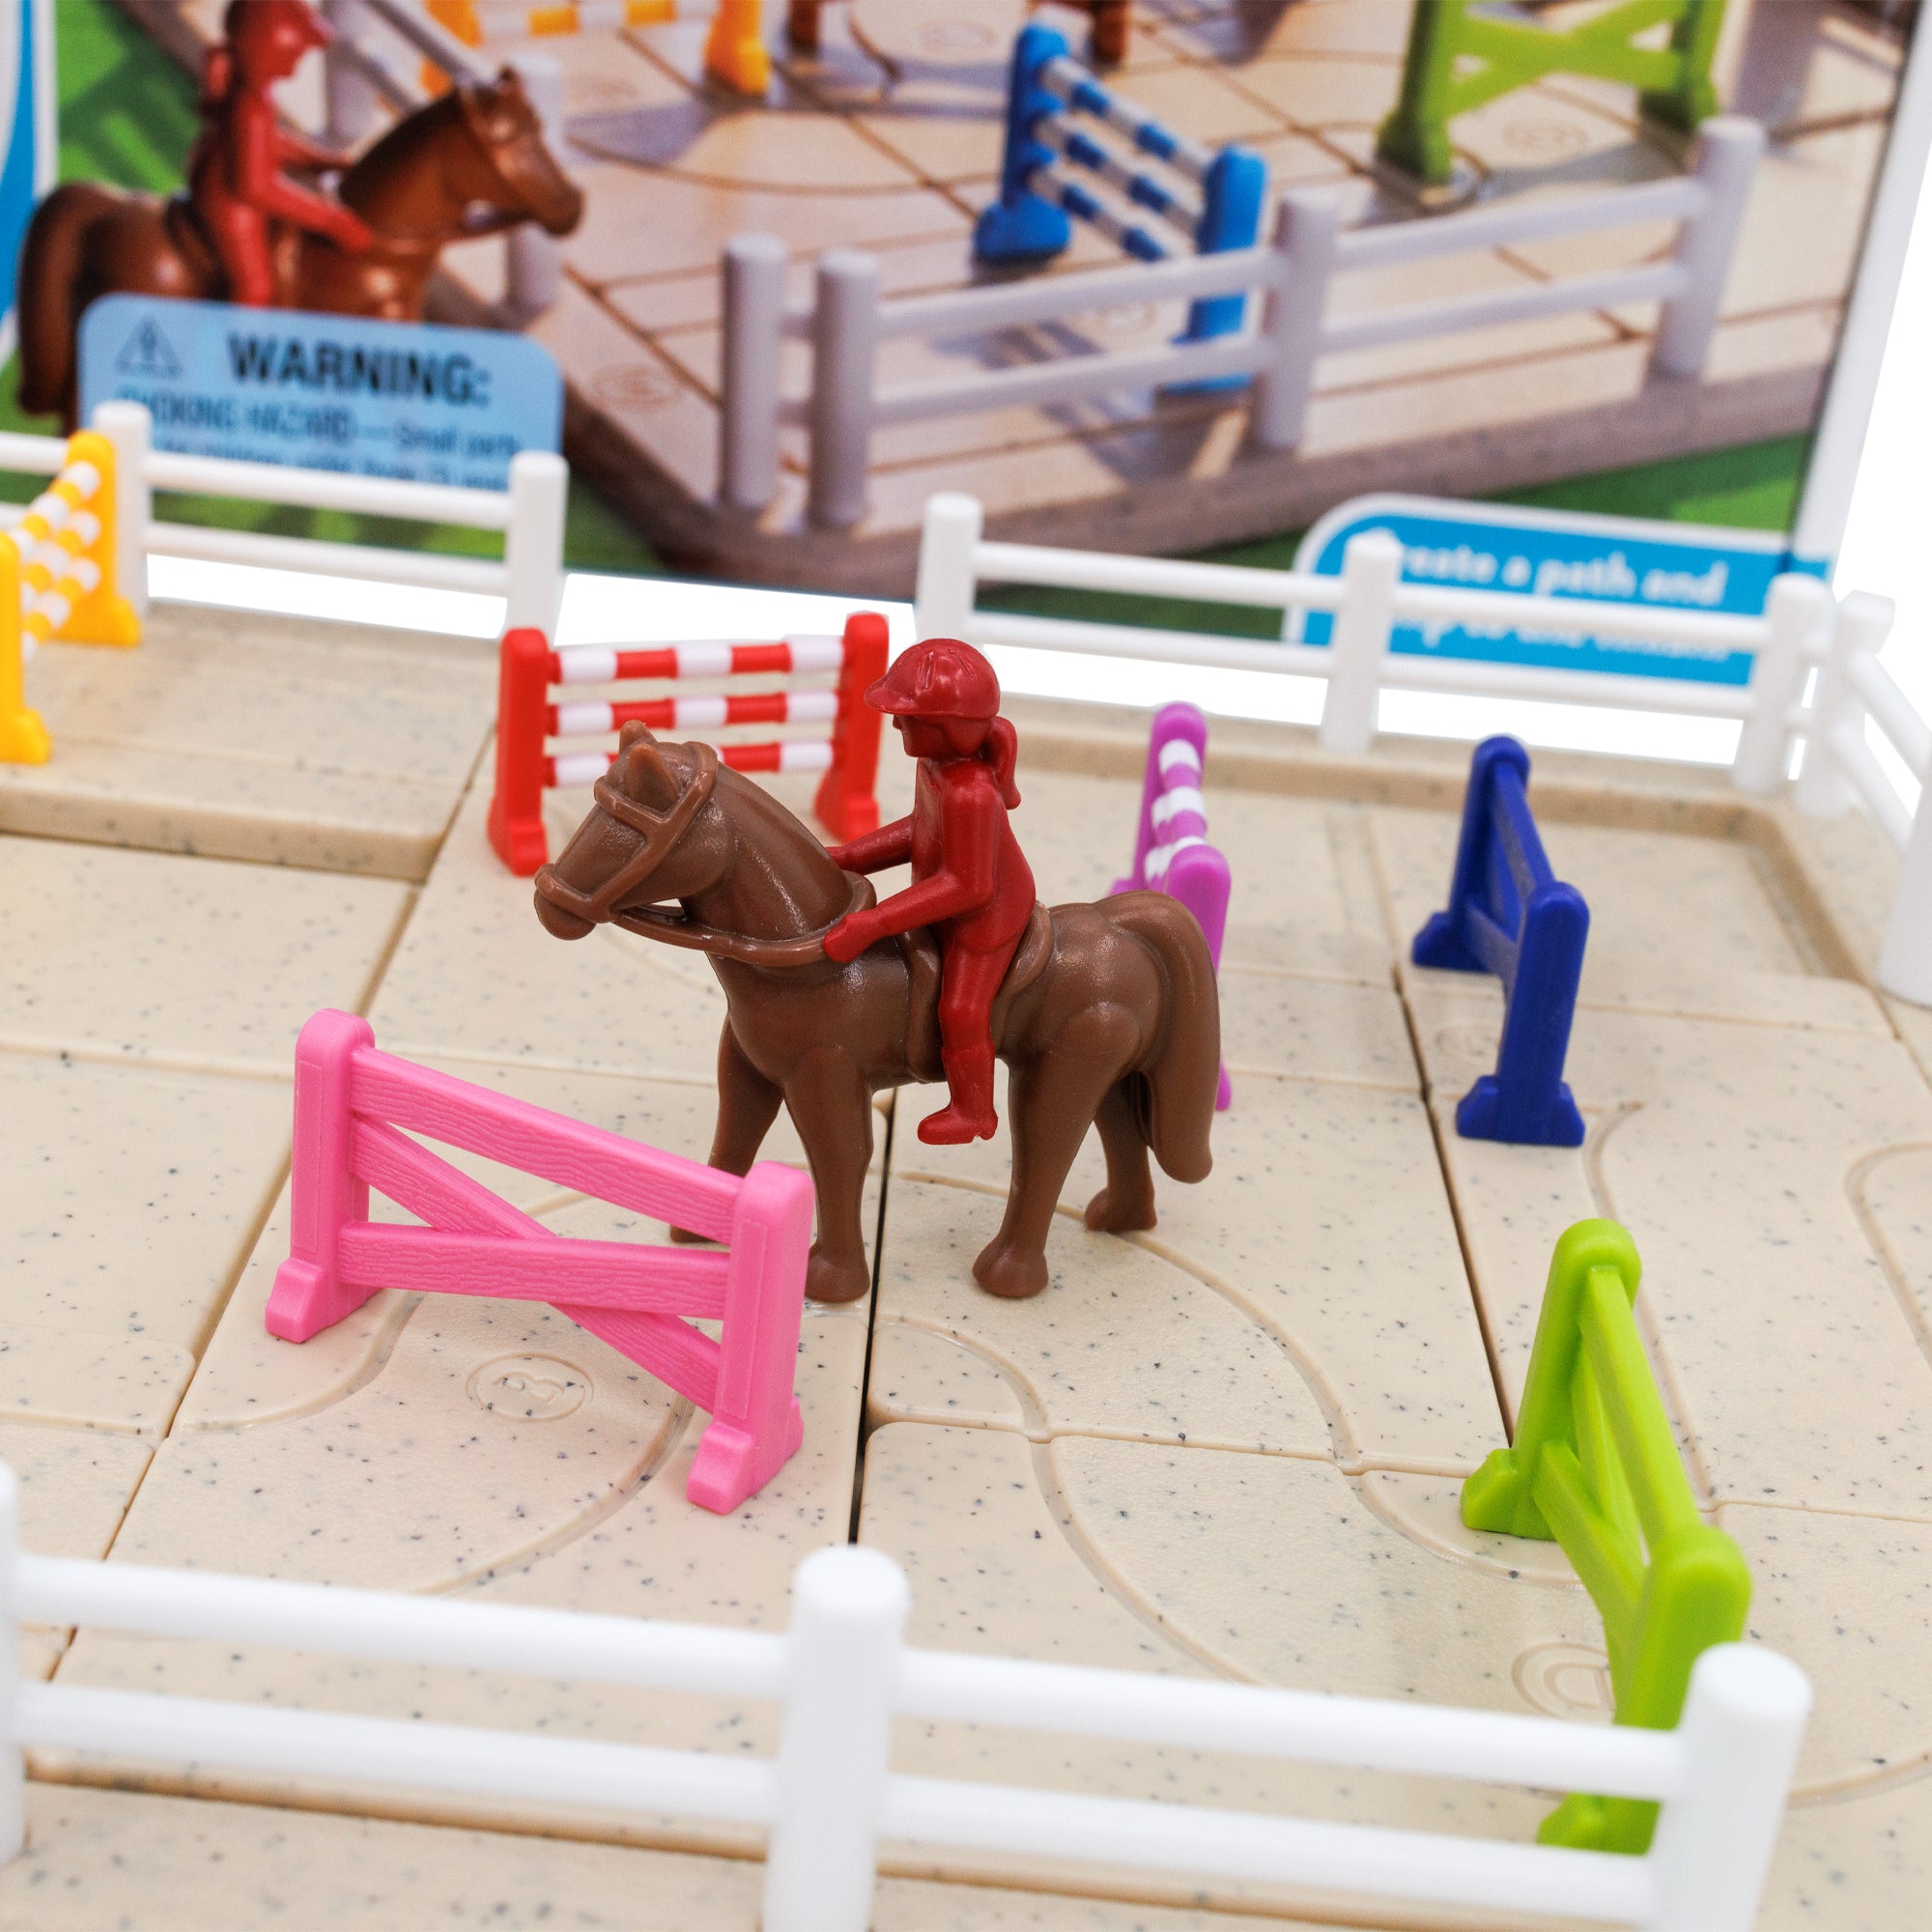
(636, 729)
(642, 773)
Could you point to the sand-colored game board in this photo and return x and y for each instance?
(888, 138)
(1226, 1449)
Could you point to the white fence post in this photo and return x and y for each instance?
(754, 270)
(13, 1761)
(129, 428)
(1905, 960)
(848, 1618)
(533, 259)
(844, 331)
(1823, 788)
(1743, 1723)
(949, 577)
(1728, 148)
(534, 545)
(350, 101)
(1371, 569)
(1795, 617)
(1297, 298)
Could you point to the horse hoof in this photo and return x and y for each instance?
(1130, 1217)
(683, 1238)
(1011, 1273)
(828, 1280)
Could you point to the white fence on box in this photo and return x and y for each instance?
(842, 1674)
(529, 514)
(847, 320)
(366, 67)
(1804, 626)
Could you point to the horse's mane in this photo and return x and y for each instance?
(399, 148)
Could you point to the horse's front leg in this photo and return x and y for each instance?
(832, 1108)
(748, 1104)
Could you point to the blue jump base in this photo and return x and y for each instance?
(1026, 228)
(1509, 915)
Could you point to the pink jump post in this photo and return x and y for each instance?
(356, 1109)
(1172, 854)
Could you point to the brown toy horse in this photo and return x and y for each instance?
(1109, 1014)
(470, 163)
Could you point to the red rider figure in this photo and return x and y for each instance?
(971, 882)
(235, 173)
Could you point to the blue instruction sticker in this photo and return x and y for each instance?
(27, 139)
(402, 399)
(1558, 553)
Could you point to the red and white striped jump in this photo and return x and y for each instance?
(847, 753)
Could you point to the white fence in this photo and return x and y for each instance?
(1803, 628)
(842, 1674)
(846, 320)
(360, 75)
(529, 514)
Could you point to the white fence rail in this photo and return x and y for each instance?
(360, 76)
(842, 1674)
(1803, 628)
(847, 320)
(530, 513)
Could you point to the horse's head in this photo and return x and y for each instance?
(647, 839)
(518, 174)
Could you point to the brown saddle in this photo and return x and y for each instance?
(184, 228)
(921, 957)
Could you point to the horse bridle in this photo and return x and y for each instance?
(658, 833)
(514, 164)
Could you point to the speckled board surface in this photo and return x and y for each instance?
(1229, 1448)
(291, 741)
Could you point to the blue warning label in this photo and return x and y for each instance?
(407, 399)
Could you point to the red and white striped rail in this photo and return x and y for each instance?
(526, 719)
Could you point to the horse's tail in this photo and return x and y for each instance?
(1174, 1088)
(50, 263)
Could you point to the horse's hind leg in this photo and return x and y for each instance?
(1051, 1101)
(748, 1104)
(1125, 1205)
(832, 1108)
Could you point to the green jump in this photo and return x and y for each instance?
(1455, 61)
(1595, 1469)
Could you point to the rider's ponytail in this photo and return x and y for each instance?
(1001, 750)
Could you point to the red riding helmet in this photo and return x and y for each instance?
(943, 678)
(281, 30)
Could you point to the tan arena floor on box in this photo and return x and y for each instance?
(889, 140)
(1230, 1448)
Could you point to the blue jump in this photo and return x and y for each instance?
(1508, 915)
(1033, 220)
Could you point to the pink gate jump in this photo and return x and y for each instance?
(356, 1109)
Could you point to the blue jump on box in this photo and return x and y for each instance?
(1032, 221)
(1508, 915)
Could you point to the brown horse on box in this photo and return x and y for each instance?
(1109, 1014)
(473, 162)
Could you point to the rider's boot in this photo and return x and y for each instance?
(970, 1114)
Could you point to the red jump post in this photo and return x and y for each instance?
(848, 754)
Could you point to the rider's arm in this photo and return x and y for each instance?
(970, 817)
(259, 181)
(890, 845)
(302, 153)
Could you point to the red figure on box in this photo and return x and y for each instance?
(235, 173)
(971, 881)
